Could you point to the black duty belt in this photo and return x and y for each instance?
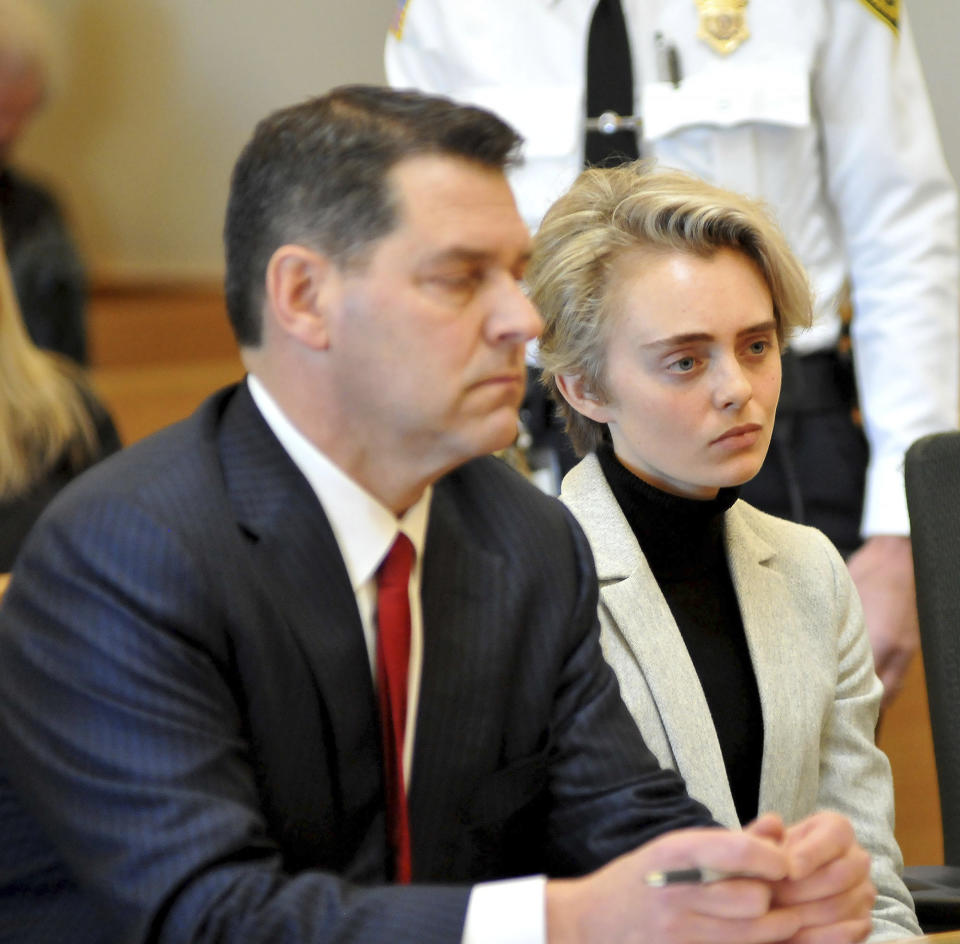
(817, 383)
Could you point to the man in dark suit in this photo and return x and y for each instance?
(192, 647)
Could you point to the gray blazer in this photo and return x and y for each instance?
(811, 655)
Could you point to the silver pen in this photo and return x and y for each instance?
(694, 876)
(668, 57)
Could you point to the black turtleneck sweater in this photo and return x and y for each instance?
(683, 542)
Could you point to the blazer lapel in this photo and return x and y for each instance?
(771, 623)
(297, 561)
(640, 613)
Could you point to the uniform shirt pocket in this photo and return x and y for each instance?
(729, 94)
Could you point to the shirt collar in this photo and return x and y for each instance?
(363, 527)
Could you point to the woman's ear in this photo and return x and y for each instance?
(579, 395)
(302, 285)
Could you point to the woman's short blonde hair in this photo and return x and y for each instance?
(610, 211)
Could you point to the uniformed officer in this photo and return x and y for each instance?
(819, 108)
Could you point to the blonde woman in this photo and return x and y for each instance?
(52, 426)
(737, 637)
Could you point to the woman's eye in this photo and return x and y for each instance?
(682, 365)
(759, 347)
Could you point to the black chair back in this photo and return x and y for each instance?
(933, 501)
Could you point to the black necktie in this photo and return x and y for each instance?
(609, 85)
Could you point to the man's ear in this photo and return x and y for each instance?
(576, 392)
(302, 285)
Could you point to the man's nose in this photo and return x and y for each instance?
(513, 316)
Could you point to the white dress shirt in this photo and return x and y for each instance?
(506, 912)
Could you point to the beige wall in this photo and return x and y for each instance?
(159, 96)
(936, 26)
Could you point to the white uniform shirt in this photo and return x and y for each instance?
(822, 113)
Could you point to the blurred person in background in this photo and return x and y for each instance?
(820, 110)
(52, 426)
(48, 274)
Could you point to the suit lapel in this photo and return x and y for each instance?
(466, 643)
(631, 595)
(299, 566)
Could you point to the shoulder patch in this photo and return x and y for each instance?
(399, 18)
(887, 10)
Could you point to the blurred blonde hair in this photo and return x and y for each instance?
(44, 404)
(637, 207)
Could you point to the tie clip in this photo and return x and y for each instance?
(610, 122)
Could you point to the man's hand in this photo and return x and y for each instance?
(828, 881)
(883, 573)
(615, 905)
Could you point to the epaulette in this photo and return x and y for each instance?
(399, 18)
(887, 10)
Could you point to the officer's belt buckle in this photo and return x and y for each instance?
(609, 122)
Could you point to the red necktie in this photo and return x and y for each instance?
(393, 657)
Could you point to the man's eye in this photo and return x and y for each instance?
(459, 286)
(454, 281)
(760, 346)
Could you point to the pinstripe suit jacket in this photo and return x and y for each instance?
(188, 728)
(818, 692)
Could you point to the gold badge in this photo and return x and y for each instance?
(723, 24)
